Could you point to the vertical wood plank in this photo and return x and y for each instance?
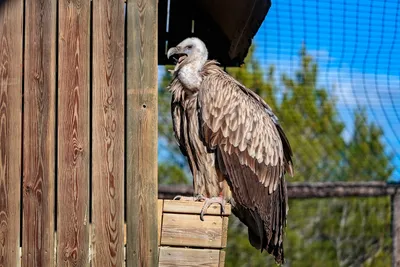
(39, 133)
(108, 133)
(396, 229)
(73, 133)
(221, 258)
(142, 133)
(224, 238)
(160, 206)
(11, 36)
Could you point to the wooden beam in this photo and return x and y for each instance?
(141, 150)
(108, 133)
(396, 229)
(73, 133)
(11, 38)
(39, 133)
(307, 190)
(340, 189)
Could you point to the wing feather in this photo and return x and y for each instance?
(234, 114)
(253, 153)
(178, 114)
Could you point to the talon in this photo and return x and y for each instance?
(177, 197)
(199, 198)
(209, 201)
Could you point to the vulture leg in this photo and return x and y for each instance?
(208, 201)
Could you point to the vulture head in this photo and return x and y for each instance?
(190, 50)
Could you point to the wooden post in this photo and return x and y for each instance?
(11, 36)
(396, 229)
(39, 133)
(73, 133)
(108, 133)
(141, 150)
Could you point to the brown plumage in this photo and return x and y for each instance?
(234, 144)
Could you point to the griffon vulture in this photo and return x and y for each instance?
(236, 149)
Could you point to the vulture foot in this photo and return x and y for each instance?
(209, 201)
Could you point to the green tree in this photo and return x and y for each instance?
(327, 232)
(172, 167)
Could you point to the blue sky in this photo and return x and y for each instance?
(357, 47)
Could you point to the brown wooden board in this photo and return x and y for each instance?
(189, 231)
(39, 133)
(175, 257)
(221, 258)
(73, 133)
(11, 37)
(141, 136)
(192, 207)
(160, 204)
(108, 133)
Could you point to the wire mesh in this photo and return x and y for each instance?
(356, 48)
(331, 72)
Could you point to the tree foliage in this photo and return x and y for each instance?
(328, 232)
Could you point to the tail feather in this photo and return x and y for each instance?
(267, 234)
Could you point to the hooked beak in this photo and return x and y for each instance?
(177, 54)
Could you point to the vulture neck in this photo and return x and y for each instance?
(189, 75)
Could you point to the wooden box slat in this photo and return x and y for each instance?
(171, 257)
(189, 230)
(191, 207)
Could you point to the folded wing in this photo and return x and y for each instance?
(252, 152)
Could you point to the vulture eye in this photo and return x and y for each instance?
(189, 46)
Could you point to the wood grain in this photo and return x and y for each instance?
(175, 257)
(141, 122)
(192, 207)
(221, 258)
(11, 37)
(189, 231)
(39, 133)
(224, 239)
(108, 133)
(160, 205)
(73, 133)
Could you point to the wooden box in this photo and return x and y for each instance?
(185, 240)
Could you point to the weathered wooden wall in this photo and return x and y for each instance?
(63, 132)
